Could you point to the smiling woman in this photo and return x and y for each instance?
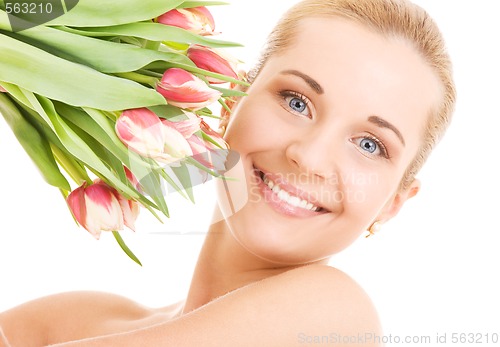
(343, 108)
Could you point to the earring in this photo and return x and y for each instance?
(374, 228)
(222, 130)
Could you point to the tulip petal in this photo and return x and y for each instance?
(212, 60)
(186, 127)
(142, 131)
(130, 210)
(104, 212)
(132, 179)
(76, 203)
(175, 144)
(197, 20)
(183, 89)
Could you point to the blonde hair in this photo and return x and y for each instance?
(397, 18)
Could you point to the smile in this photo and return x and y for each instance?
(286, 198)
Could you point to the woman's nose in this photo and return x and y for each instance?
(313, 155)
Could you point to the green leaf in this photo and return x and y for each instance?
(76, 146)
(55, 78)
(229, 92)
(104, 13)
(35, 145)
(98, 54)
(154, 32)
(189, 4)
(184, 177)
(18, 95)
(74, 169)
(125, 248)
(145, 170)
(167, 111)
(98, 126)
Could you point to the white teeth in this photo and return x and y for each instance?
(290, 199)
(283, 195)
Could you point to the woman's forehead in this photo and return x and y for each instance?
(359, 71)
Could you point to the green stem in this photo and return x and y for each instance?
(209, 115)
(125, 248)
(70, 166)
(153, 45)
(151, 73)
(137, 77)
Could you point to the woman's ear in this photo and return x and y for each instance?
(394, 205)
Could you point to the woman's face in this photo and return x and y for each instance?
(331, 124)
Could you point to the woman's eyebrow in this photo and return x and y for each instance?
(308, 79)
(385, 124)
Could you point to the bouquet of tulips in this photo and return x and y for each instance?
(111, 95)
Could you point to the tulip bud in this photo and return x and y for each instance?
(214, 135)
(197, 20)
(130, 210)
(205, 152)
(186, 127)
(214, 61)
(141, 130)
(183, 89)
(132, 179)
(176, 146)
(99, 207)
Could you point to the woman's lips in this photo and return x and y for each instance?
(281, 206)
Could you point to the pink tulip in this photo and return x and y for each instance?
(143, 132)
(205, 152)
(186, 127)
(132, 179)
(197, 20)
(183, 89)
(214, 135)
(99, 207)
(176, 146)
(130, 210)
(214, 61)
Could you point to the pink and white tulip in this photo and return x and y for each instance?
(143, 132)
(176, 146)
(183, 89)
(99, 207)
(214, 61)
(205, 152)
(132, 179)
(197, 20)
(186, 127)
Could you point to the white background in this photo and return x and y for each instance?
(433, 269)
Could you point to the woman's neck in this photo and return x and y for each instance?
(223, 266)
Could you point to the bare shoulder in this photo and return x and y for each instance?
(68, 316)
(308, 305)
(334, 303)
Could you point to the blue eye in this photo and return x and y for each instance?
(297, 105)
(368, 145)
(372, 145)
